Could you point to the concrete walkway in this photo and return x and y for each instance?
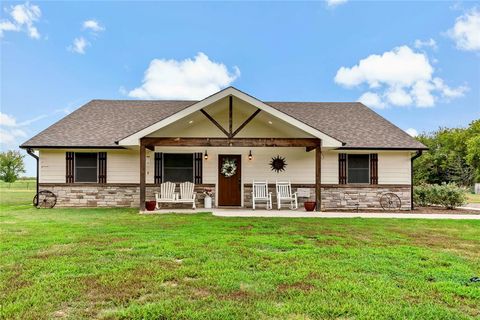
(246, 213)
(471, 206)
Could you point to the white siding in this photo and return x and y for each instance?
(52, 166)
(394, 168)
(123, 165)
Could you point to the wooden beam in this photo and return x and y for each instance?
(245, 123)
(308, 149)
(318, 176)
(235, 142)
(230, 116)
(142, 174)
(209, 117)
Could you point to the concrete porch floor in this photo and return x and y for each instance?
(246, 213)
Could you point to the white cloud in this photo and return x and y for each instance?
(93, 25)
(79, 45)
(23, 18)
(466, 31)
(372, 100)
(412, 132)
(10, 130)
(7, 120)
(399, 77)
(430, 43)
(334, 3)
(398, 97)
(186, 79)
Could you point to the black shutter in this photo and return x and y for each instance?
(373, 168)
(342, 168)
(198, 168)
(102, 167)
(158, 168)
(69, 156)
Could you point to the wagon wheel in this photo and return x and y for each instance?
(390, 201)
(46, 199)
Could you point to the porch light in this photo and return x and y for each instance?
(206, 155)
(250, 157)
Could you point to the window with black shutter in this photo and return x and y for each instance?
(178, 167)
(86, 167)
(358, 168)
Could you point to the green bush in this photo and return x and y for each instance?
(448, 195)
(421, 195)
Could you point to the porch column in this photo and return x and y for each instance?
(318, 175)
(142, 174)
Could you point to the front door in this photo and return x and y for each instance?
(229, 180)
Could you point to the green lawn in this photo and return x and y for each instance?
(117, 264)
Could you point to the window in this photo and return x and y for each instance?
(358, 168)
(86, 167)
(178, 167)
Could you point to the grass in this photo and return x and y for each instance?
(116, 264)
(473, 198)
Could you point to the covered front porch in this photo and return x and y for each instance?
(252, 156)
(230, 127)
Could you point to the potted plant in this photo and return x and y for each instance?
(309, 205)
(150, 205)
(208, 193)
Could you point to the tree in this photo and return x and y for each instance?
(453, 156)
(11, 165)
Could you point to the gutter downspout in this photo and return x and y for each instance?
(30, 152)
(417, 154)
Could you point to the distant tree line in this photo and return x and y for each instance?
(453, 156)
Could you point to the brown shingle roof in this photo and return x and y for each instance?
(100, 123)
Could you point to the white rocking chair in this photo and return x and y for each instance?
(167, 193)
(260, 193)
(187, 194)
(284, 193)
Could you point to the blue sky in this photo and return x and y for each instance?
(415, 63)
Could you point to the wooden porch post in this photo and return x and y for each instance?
(318, 175)
(142, 175)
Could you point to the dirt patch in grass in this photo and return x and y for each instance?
(201, 293)
(299, 286)
(236, 295)
(441, 240)
(249, 227)
(56, 250)
(102, 291)
(15, 281)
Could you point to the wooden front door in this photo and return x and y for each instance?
(229, 187)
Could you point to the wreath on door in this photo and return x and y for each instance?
(229, 168)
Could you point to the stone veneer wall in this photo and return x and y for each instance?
(338, 197)
(367, 197)
(111, 195)
(127, 195)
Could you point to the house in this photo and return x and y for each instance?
(115, 153)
